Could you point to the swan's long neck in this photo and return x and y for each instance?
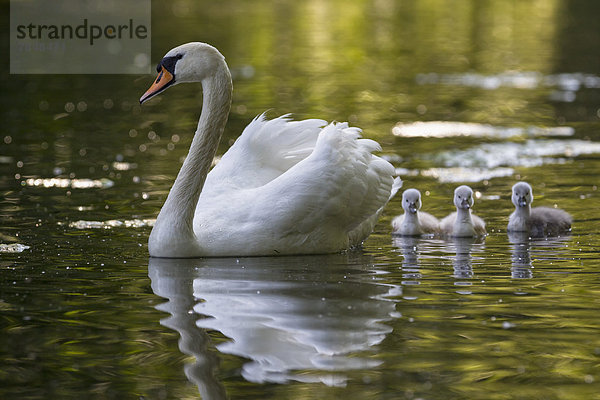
(174, 224)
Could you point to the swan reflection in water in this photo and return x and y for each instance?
(294, 318)
(522, 247)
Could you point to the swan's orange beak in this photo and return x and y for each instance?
(163, 81)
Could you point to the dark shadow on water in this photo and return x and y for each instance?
(294, 318)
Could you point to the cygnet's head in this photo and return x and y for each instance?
(463, 197)
(411, 201)
(190, 62)
(522, 194)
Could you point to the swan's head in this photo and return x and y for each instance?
(190, 62)
(411, 200)
(463, 197)
(522, 194)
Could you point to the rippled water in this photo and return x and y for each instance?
(482, 93)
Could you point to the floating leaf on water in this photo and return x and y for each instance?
(13, 248)
(443, 129)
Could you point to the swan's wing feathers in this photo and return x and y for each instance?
(265, 150)
(340, 185)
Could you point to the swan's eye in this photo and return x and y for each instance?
(169, 62)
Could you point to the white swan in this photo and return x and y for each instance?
(537, 221)
(284, 187)
(462, 223)
(414, 222)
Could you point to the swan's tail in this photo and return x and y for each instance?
(395, 187)
(361, 232)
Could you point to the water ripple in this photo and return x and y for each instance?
(113, 223)
(459, 174)
(443, 129)
(532, 153)
(68, 183)
(513, 79)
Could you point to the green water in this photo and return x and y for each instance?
(84, 313)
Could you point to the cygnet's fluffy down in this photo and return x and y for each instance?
(536, 221)
(414, 222)
(462, 223)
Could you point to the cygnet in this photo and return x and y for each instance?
(462, 223)
(414, 222)
(536, 221)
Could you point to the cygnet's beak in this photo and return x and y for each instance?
(412, 207)
(522, 202)
(163, 81)
(465, 204)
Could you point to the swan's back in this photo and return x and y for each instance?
(264, 150)
(546, 221)
(291, 187)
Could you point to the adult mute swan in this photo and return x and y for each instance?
(462, 223)
(284, 187)
(414, 222)
(536, 221)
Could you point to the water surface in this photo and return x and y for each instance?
(507, 91)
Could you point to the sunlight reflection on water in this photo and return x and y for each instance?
(443, 129)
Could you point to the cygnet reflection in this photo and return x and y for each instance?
(284, 314)
(412, 247)
(462, 249)
(520, 245)
(524, 250)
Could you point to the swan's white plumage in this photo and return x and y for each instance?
(284, 187)
(264, 150)
(312, 206)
